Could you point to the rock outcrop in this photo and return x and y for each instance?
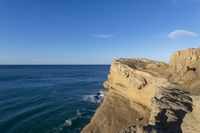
(146, 96)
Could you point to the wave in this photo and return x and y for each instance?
(68, 122)
(96, 98)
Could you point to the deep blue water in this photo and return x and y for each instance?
(48, 98)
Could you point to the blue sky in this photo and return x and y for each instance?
(95, 31)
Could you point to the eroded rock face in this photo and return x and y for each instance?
(191, 121)
(184, 69)
(169, 107)
(146, 96)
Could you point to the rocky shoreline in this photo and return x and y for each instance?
(146, 96)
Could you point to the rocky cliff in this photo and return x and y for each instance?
(146, 96)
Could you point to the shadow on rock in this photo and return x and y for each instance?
(169, 107)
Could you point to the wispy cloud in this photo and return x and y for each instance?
(181, 34)
(103, 36)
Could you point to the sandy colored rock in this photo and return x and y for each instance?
(191, 122)
(115, 113)
(146, 96)
(184, 69)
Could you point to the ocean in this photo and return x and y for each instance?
(49, 98)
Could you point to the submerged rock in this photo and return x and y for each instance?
(146, 96)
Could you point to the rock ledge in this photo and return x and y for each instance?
(146, 96)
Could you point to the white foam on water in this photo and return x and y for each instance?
(95, 98)
(78, 113)
(90, 98)
(68, 122)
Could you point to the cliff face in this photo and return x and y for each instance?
(146, 96)
(185, 69)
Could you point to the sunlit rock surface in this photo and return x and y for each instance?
(146, 96)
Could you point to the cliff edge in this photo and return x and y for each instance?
(146, 96)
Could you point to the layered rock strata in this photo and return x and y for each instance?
(146, 96)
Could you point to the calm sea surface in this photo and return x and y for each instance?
(48, 98)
